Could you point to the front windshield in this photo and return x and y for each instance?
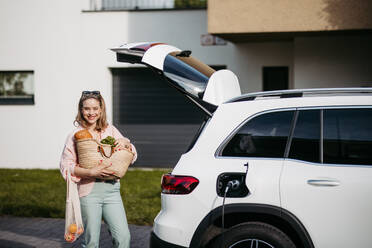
(190, 74)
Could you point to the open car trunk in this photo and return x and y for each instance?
(200, 83)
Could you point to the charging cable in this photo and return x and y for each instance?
(233, 184)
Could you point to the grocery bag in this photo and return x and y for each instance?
(91, 153)
(73, 222)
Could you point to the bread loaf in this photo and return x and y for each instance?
(83, 134)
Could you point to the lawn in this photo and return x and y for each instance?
(42, 193)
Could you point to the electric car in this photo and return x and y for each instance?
(279, 169)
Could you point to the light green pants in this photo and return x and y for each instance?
(104, 202)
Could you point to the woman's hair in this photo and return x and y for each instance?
(102, 121)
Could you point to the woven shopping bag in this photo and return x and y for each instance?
(91, 152)
(73, 221)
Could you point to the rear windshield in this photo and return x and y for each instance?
(190, 74)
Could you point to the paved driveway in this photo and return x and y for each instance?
(16, 232)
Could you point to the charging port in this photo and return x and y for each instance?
(236, 183)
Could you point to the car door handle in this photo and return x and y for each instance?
(323, 182)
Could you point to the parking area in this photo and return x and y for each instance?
(19, 232)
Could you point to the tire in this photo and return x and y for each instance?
(253, 234)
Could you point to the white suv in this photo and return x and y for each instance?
(271, 169)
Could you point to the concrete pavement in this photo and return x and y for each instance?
(18, 232)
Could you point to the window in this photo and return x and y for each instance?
(16, 87)
(263, 136)
(305, 143)
(348, 136)
(275, 78)
(190, 74)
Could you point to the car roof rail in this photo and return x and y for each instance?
(301, 93)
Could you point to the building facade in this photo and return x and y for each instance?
(319, 43)
(50, 51)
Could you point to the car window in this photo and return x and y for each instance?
(348, 136)
(190, 74)
(305, 143)
(263, 136)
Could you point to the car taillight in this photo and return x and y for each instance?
(181, 185)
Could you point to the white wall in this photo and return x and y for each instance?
(333, 61)
(68, 53)
(250, 58)
(68, 50)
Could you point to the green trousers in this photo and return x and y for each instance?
(104, 202)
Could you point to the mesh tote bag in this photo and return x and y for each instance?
(73, 222)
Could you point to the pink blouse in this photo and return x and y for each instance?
(69, 158)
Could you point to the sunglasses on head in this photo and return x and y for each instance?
(94, 92)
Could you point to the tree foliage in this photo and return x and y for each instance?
(190, 3)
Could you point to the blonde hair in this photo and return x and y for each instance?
(101, 122)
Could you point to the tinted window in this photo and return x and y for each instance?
(348, 136)
(263, 136)
(188, 73)
(305, 143)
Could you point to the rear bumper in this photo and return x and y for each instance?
(156, 242)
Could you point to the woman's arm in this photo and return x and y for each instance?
(68, 158)
(95, 172)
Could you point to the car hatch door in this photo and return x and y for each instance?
(200, 83)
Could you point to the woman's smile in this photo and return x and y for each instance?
(92, 117)
(91, 110)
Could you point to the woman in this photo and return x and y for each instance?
(98, 198)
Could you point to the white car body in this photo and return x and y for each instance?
(267, 176)
(323, 205)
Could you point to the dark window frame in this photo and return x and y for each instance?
(19, 99)
(321, 145)
(345, 108)
(293, 127)
(222, 146)
(266, 75)
(218, 153)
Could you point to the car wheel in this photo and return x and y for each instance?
(253, 234)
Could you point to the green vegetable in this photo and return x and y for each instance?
(109, 141)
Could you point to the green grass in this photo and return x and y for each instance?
(42, 193)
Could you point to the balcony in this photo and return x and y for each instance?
(117, 5)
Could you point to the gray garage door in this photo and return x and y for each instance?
(159, 120)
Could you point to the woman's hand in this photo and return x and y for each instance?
(101, 170)
(123, 143)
